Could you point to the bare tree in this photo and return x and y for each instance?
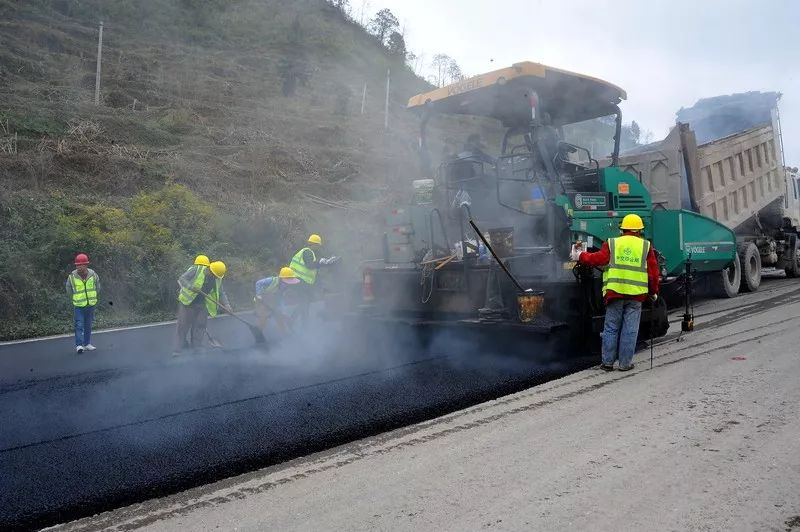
(383, 23)
(411, 60)
(636, 132)
(454, 72)
(441, 64)
(364, 7)
(417, 62)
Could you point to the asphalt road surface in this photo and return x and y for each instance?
(707, 440)
(84, 434)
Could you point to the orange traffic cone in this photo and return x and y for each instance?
(367, 295)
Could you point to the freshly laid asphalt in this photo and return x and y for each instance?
(706, 440)
(84, 434)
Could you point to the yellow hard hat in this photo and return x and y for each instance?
(287, 273)
(288, 276)
(201, 260)
(218, 268)
(315, 239)
(632, 222)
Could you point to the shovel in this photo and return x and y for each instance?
(213, 342)
(278, 317)
(257, 333)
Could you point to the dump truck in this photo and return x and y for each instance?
(735, 176)
(529, 194)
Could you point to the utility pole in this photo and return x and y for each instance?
(386, 107)
(363, 97)
(99, 61)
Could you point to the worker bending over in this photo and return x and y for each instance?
(83, 285)
(305, 265)
(631, 274)
(200, 296)
(201, 262)
(270, 297)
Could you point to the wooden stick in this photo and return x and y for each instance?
(439, 266)
(447, 258)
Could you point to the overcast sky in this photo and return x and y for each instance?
(665, 54)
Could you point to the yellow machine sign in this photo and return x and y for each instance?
(465, 86)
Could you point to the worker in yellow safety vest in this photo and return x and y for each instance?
(305, 265)
(271, 297)
(83, 285)
(200, 261)
(199, 297)
(630, 276)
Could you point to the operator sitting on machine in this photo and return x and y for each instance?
(474, 148)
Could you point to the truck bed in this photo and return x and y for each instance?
(739, 176)
(729, 179)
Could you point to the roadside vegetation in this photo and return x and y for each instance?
(231, 128)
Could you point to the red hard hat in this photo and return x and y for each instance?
(81, 259)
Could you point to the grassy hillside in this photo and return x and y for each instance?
(195, 147)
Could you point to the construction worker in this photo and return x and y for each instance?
(270, 292)
(631, 275)
(474, 148)
(83, 285)
(200, 262)
(200, 296)
(305, 265)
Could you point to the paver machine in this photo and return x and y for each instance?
(483, 243)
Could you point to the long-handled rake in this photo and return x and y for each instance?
(257, 333)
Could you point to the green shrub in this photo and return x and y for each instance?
(176, 121)
(34, 124)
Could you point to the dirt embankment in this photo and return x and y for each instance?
(195, 97)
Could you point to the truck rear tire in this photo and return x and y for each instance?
(725, 283)
(751, 267)
(793, 271)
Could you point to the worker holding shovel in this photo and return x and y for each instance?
(201, 295)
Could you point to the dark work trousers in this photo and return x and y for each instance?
(83, 324)
(192, 319)
(305, 294)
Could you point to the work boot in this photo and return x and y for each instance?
(79, 349)
(607, 368)
(626, 368)
(89, 347)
